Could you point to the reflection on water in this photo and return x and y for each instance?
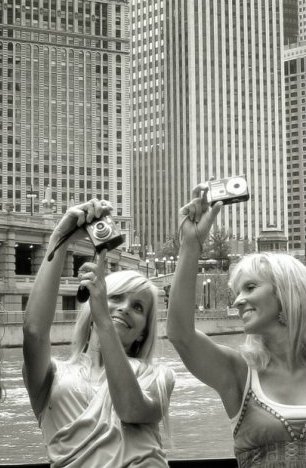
(199, 425)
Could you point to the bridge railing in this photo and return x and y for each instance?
(17, 317)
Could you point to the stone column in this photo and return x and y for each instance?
(9, 264)
(68, 266)
(12, 301)
(38, 254)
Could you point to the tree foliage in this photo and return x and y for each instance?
(171, 247)
(217, 245)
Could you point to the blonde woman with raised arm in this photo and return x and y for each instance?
(102, 406)
(263, 384)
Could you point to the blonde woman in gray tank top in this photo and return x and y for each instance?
(262, 385)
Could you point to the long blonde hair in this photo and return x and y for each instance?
(117, 283)
(123, 282)
(287, 275)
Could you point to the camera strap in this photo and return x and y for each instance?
(61, 241)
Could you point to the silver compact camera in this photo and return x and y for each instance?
(104, 234)
(229, 190)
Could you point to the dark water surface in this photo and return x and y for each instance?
(199, 425)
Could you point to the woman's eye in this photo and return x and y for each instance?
(138, 307)
(250, 287)
(115, 298)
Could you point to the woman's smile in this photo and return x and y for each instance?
(121, 321)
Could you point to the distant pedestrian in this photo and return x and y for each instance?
(102, 407)
(263, 384)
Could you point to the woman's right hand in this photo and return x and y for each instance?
(79, 215)
(197, 217)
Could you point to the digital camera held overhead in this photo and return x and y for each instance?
(229, 190)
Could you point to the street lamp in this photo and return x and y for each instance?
(32, 196)
(208, 293)
(204, 295)
(147, 262)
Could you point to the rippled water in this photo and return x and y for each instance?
(199, 425)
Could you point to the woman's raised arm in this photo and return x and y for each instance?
(41, 306)
(212, 364)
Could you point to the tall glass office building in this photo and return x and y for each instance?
(207, 97)
(65, 103)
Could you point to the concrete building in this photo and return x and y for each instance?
(64, 135)
(207, 95)
(302, 20)
(65, 104)
(23, 243)
(291, 20)
(295, 95)
(295, 89)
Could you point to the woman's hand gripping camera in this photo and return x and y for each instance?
(197, 217)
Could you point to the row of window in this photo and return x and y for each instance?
(83, 17)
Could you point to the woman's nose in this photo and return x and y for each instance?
(239, 301)
(123, 306)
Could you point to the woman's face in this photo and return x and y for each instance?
(129, 312)
(257, 304)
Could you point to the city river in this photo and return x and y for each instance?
(199, 425)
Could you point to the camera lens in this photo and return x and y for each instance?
(102, 230)
(100, 226)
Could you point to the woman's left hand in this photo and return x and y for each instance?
(199, 212)
(92, 275)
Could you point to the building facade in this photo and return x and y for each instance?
(295, 89)
(65, 104)
(23, 243)
(291, 20)
(64, 135)
(302, 20)
(207, 99)
(295, 95)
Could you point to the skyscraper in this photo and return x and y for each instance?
(207, 83)
(295, 92)
(65, 103)
(302, 20)
(291, 20)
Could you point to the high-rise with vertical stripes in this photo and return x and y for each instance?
(207, 99)
(295, 93)
(65, 103)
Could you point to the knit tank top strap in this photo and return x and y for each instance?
(234, 421)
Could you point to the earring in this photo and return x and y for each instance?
(282, 318)
(136, 347)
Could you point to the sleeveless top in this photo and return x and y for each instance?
(81, 428)
(268, 434)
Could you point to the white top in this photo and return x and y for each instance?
(81, 428)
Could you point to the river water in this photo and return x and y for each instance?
(199, 425)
